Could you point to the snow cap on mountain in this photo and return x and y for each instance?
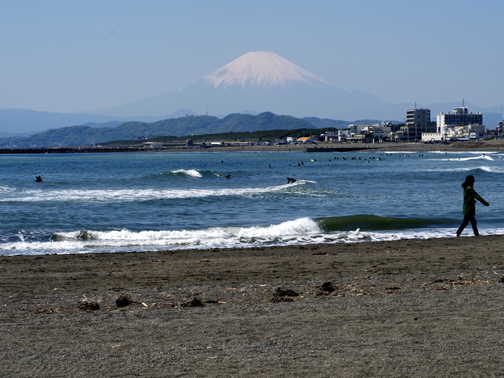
(261, 69)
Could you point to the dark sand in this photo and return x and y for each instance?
(430, 308)
(494, 145)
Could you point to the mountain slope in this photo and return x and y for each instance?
(263, 81)
(29, 121)
(261, 69)
(77, 136)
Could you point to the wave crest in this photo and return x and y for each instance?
(187, 172)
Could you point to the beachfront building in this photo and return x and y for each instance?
(152, 145)
(466, 132)
(432, 137)
(417, 122)
(343, 135)
(446, 123)
(306, 140)
(360, 138)
(356, 129)
(355, 132)
(376, 131)
(330, 137)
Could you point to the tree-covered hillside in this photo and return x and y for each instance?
(77, 136)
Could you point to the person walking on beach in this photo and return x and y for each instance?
(469, 208)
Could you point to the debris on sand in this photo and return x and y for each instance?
(195, 302)
(123, 301)
(86, 305)
(285, 292)
(283, 295)
(89, 306)
(326, 288)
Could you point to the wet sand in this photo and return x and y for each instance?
(428, 308)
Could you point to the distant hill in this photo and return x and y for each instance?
(327, 123)
(103, 124)
(77, 136)
(16, 121)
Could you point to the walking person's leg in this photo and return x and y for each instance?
(463, 225)
(474, 225)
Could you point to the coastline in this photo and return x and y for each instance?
(486, 146)
(409, 307)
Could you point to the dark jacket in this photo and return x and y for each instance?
(470, 197)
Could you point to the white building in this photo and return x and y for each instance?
(152, 145)
(469, 131)
(432, 137)
(459, 117)
(343, 135)
(356, 129)
(500, 128)
(331, 137)
(376, 131)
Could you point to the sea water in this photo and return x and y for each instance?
(167, 201)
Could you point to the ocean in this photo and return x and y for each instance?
(120, 202)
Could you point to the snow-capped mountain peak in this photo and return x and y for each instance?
(261, 69)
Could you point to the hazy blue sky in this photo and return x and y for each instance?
(65, 56)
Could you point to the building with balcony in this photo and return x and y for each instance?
(417, 122)
(459, 117)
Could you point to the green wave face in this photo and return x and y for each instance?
(376, 223)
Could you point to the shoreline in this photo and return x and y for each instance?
(486, 146)
(429, 307)
(409, 307)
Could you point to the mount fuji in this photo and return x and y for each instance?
(261, 69)
(263, 81)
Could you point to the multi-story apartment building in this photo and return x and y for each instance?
(417, 122)
(356, 129)
(459, 117)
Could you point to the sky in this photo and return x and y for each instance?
(71, 56)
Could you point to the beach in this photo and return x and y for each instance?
(412, 307)
(494, 145)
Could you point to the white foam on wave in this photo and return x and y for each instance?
(460, 159)
(465, 152)
(131, 195)
(479, 152)
(401, 152)
(188, 172)
(125, 240)
(493, 169)
(297, 232)
(465, 169)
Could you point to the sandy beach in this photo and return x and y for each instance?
(494, 145)
(428, 308)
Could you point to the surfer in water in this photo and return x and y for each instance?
(469, 208)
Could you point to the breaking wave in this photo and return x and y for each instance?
(187, 172)
(295, 232)
(301, 187)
